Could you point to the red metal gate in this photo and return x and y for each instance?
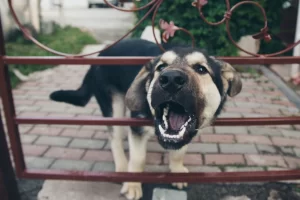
(13, 121)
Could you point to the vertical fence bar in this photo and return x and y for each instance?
(8, 184)
(9, 109)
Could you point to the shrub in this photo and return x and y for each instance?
(247, 19)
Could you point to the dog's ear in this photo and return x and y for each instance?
(136, 96)
(233, 82)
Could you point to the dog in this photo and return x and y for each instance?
(182, 90)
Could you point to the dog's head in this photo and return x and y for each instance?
(185, 90)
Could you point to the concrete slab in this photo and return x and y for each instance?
(167, 194)
(77, 190)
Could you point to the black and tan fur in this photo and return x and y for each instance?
(185, 81)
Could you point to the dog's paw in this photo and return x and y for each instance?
(179, 169)
(132, 191)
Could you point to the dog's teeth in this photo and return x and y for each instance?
(161, 129)
(182, 131)
(165, 121)
(166, 110)
(185, 124)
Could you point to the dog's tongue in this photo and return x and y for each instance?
(176, 120)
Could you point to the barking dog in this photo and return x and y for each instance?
(182, 90)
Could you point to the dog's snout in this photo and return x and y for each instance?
(172, 80)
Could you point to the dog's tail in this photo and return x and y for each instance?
(79, 97)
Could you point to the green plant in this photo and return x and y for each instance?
(68, 39)
(247, 19)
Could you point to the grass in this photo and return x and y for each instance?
(68, 40)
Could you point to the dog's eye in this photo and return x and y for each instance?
(161, 67)
(200, 69)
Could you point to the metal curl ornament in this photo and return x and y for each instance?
(263, 34)
(171, 28)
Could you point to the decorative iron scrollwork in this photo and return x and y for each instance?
(170, 28)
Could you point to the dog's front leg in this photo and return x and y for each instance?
(176, 164)
(137, 158)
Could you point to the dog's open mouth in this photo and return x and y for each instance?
(174, 122)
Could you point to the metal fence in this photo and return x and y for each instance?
(13, 121)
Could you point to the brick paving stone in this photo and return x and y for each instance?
(76, 133)
(72, 165)
(224, 159)
(231, 130)
(293, 163)
(276, 169)
(238, 148)
(193, 159)
(284, 103)
(155, 147)
(245, 94)
(243, 169)
(154, 158)
(271, 112)
(64, 153)
(45, 130)
(95, 128)
(23, 129)
(28, 139)
(248, 105)
(210, 138)
(256, 139)
(297, 127)
(239, 110)
(207, 130)
(60, 115)
(104, 167)
(87, 143)
(285, 142)
(290, 110)
(202, 148)
(157, 168)
(255, 115)
(230, 115)
(54, 109)
(265, 160)
(266, 149)
(27, 108)
(23, 102)
(34, 150)
(189, 159)
(297, 151)
(230, 104)
(80, 110)
(282, 127)
(101, 135)
(66, 126)
(93, 155)
(53, 141)
(38, 162)
(264, 131)
(288, 151)
(125, 145)
(206, 169)
(291, 133)
(33, 114)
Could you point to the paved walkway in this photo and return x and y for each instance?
(216, 149)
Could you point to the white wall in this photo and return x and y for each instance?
(26, 10)
(68, 4)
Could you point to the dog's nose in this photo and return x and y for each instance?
(172, 80)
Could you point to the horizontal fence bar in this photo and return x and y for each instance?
(148, 177)
(52, 60)
(147, 122)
